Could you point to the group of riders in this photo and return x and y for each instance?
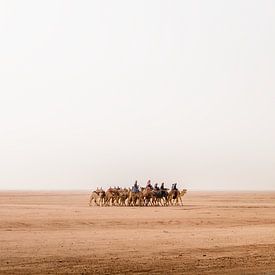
(149, 186)
(136, 195)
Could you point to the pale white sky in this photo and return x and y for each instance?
(99, 93)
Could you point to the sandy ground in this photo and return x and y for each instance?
(217, 232)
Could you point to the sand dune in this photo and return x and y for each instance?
(217, 232)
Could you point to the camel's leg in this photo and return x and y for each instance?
(180, 201)
(118, 201)
(145, 202)
(92, 201)
(100, 202)
(160, 202)
(129, 201)
(107, 202)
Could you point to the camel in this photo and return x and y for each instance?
(112, 196)
(182, 193)
(135, 197)
(146, 197)
(160, 197)
(97, 197)
(123, 196)
(174, 196)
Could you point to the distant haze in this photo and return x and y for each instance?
(101, 93)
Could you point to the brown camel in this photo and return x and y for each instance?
(175, 196)
(111, 197)
(135, 198)
(123, 196)
(97, 197)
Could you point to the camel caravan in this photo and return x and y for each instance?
(138, 196)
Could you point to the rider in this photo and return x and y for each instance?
(149, 185)
(174, 186)
(156, 187)
(163, 190)
(135, 187)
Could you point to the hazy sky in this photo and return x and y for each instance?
(100, 93)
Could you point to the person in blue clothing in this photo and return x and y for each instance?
(135, 188)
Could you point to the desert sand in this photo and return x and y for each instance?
(213, 233)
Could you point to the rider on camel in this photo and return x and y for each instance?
(149, 185)
(156, 187)
(135, 188)
(174, 186)
(163, 190)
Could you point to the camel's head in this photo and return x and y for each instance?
(183, 191)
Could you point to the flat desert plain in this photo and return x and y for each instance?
(213, 233)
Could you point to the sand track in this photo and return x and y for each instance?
(218, 232)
